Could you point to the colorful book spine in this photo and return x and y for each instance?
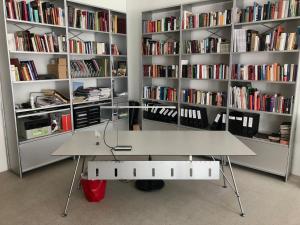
(206, 72)
(153, 47)
(154, 71)
(160, 93)
(163, 25)
(199, 97)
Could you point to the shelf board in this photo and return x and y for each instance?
(168, 55)
(264, 52)
(267, 21)
(261, 141)
(212, 53)
(118, 34)
(160, 101)
(41, 108)
(120, 56)
(38, 53)
(266, 81)
(91, 102)
(120, 77)
(90, 78)
(205, 106)
(207, 28)
(21, 142)
(39, 81)
(93, 55)
(162, 32)
(87, 30)
(260, 112)
(161, 78)
(214, 80)
(14, 21)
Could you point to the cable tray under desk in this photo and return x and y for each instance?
(153, 170)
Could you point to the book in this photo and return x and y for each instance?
(207, 45)
(23, 70)
(118, 24)
(89, 68)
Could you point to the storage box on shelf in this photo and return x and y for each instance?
(47, 56)
(239, 48)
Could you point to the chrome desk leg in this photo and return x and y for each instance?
(235, 187)
(223, 169)
(71, 188)
(82, 170)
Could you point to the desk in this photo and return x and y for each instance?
(159, 143)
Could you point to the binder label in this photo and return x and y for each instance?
(182, 113)
(194, 114)
(217, 118)
(224, 118)
(199, 115)
(245, 121)
(250, 122)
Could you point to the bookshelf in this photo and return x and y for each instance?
(26, 154)
(273, 158)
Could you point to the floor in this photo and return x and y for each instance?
(39, 198)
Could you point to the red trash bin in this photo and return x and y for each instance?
(94, 190)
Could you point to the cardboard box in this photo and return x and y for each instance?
(60, 71)
(62, 61)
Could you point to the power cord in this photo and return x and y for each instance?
(107, 145)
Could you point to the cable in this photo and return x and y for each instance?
(110, 147)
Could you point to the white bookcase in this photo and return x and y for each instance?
(271, 157)
(26, 155)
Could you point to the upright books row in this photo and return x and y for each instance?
(160, 93)
(154, 47)
(85, 19)
(23, 70)
(211, 19)
(277, 40)
(35, 11)
(165, 24)
(88, 47)
(26, 41)
(208, 45)
(170, 71)
(248, 98)
(269, 11)
(273, 72)
(204, 97)
(215, 72)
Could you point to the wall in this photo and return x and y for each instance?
(118, 5)
(134, 10)
(3, 159)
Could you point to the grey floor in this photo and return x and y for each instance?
(39, 199)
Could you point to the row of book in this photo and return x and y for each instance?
(211, 19)
(154, 71)
(26, 41)
(268, 11)
(152, 111)
(88, 47)
(193, 96)
(165, 24)
(194, 117)
(85, 19)
(160, 93)
(215, 72)
(207, 45)
(118, 25)
(35, 11)
(248, 98)
(277, 40)
(272, 72)
(22, 70)
(90, 68)
(154, 47)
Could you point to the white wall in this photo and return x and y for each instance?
(296, 159)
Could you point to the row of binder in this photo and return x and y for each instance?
(160, 114)
(244, 124)
(194, 117)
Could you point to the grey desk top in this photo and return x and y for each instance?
(157, 143)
